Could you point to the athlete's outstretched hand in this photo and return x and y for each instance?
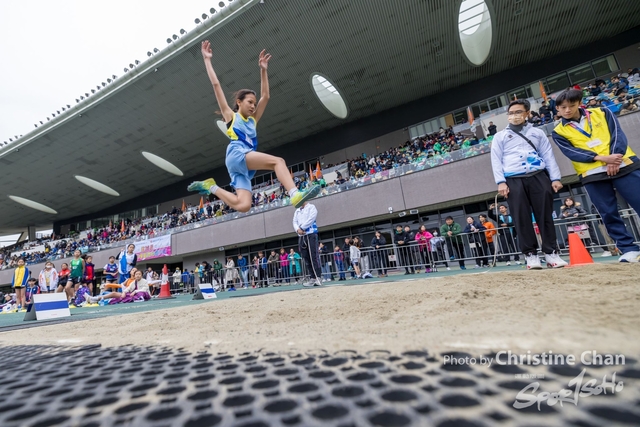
(206, 50)
(263, 59)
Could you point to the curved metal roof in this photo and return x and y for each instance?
(380, 54)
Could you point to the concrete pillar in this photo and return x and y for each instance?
(31, 231)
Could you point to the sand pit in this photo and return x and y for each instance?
(595, 307)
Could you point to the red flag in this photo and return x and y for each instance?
(201, 202)
(184, 206)
(311, 173)
(110, 225)
(122, 226)
(470, 115)
(543, 92)
(318, 171)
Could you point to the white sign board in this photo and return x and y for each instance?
(48, 306)
(205, 291)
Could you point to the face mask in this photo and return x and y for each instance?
(516, 120)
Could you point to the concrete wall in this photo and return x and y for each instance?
(629, 57)
(455, 182)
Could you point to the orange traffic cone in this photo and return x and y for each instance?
(165, 293)
(578, 254)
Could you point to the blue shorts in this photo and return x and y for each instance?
(237, 166)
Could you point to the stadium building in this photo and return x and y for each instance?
(374, 76)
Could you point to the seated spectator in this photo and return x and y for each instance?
(545, 111)
(572, 211)
(135, 289)
(8, 303)
(81, 295)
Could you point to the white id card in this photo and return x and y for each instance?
(594, 143)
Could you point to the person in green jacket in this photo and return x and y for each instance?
(294, 264)
(217, 269)
(451, 230)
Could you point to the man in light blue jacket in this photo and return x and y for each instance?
(526, 173)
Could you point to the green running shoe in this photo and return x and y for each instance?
(202, 187)
(305, 195)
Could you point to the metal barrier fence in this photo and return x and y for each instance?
(466, 250)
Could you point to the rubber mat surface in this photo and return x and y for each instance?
(133, 386)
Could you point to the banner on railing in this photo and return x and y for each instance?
(154, 248)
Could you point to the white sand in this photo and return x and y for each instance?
(595, 307)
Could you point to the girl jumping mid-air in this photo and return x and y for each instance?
(242, 158)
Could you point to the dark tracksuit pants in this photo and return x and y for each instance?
(527, 193)
(603, 196)
(405, 258)
(308, 245)
(456, 250)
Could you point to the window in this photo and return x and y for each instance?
(474, 30)
(581, 74)
(460, 116)
(475, 207)
(557, 82)
(342, 232)
(329, 96)
(410, 220)
(413, 133)
(363, 229)
(290, 243)
(272, 245)
(493, 104)
(325, 235)
(605, 65)
(519, 93)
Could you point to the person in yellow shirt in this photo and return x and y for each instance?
(596, 145)
(19, 283)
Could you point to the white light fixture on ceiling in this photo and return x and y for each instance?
(475, 30)
(162, 163)
(33, 205)
(97, 185)
(329, 96)
(222, 126)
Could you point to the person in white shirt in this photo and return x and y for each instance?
(149, 275)
(304, 224)
(526, 173)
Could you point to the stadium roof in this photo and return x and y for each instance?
(378, 54)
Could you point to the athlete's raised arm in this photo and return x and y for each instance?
(207, 54)
(263, 62)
